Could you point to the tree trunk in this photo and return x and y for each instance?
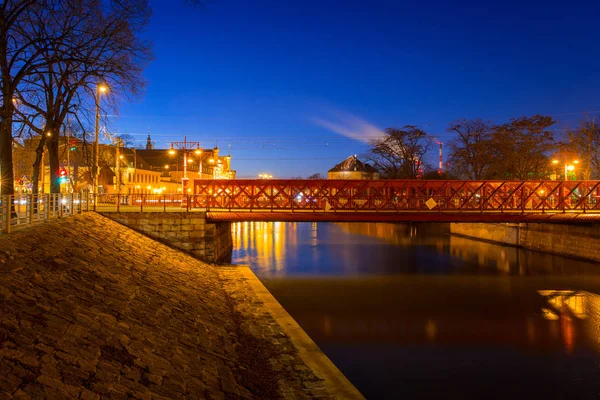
(54, 162)
(39, 154)
(35, 178)
(6, 159)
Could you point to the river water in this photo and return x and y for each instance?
(407, 311)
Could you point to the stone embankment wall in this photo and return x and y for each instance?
(571, 240)
(94, 310)
(501, 233)
(581, 240)
(190, 232)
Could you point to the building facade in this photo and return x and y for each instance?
(352, 168)
(121, 170)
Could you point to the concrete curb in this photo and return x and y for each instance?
(334, 380)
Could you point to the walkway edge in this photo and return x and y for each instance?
(334, 380)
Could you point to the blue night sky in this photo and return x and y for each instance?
(294, 87)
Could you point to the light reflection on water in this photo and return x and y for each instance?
(440, 315)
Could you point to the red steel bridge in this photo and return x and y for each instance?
(397, 200)
(374, 200)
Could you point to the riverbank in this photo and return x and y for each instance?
(572, 240)
(93, 309)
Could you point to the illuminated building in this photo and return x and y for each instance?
(352, 168)
(121, 170)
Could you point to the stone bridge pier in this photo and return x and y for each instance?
(186, 231)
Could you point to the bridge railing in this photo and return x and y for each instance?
(397, 195)
(142, 202)
(26, 209)
(321, 196)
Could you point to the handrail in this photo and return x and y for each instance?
(27, 209)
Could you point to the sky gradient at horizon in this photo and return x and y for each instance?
(293, 88)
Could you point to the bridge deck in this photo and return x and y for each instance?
(241, 216)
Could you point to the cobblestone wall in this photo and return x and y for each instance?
(93, 310)
(581, 240)
(210, 242)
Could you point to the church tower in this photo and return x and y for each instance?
(149, 144)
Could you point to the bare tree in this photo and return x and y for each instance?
(106, 49)
(400, 153)
(585, 141)
(126, 140)
(470, 150)
(521, 147)
(20, 39)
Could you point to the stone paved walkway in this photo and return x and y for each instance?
(291, 372)
(93, 310)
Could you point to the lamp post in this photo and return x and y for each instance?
(568, 167)
(186, 147)
(99, 89)
(123, 157)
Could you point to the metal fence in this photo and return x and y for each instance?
(142, 202)
(27, 209)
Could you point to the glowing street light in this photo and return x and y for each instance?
(186, 147)
(100, 89)
(568, 167)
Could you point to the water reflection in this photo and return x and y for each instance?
(443, 315)
(569, 303)
(284, 249)
(567, 306)
(270, 240)
(454, 311)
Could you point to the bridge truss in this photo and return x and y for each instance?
(444, 196)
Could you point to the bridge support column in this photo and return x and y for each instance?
(186, 231)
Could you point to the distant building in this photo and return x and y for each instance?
(149, 145)
(136, 171)
(352, 168)
(157, 171)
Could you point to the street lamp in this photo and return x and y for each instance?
(100, 88)
(186, 147)
(568, 167)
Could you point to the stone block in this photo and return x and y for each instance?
(200, 253)
(196, 234)
(86, 394)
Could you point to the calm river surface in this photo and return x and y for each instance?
(410, 312)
